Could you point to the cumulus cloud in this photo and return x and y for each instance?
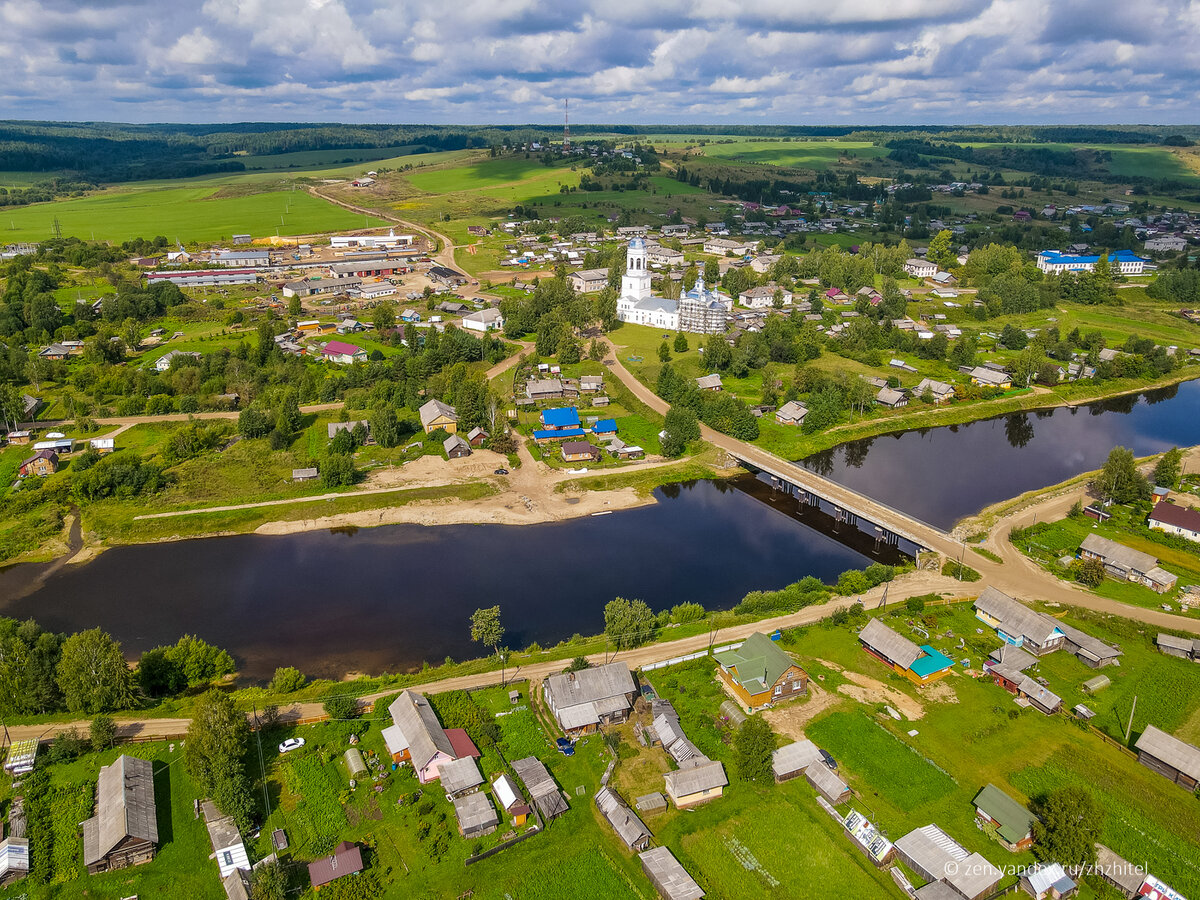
(757, 61)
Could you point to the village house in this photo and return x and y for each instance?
(124, 830)
(920, 665)
(42, 463)
(1048, 881)
(939, 390)
(1005, 818)
(541, 786)
(758, 673)
(591, 384)
(1027, 689)
(1018, 624)
(669, 877)
(477, 437)
(723, 247)
(1178, 520)
(332, 429)
(582, 701)
(435, 414)
(346, 859)
(342, 353)
(891, 398)
(580, 451)
(484, 320)
(508, 795)
(663, 256)
(544, 389)
(417, 737)
(163, 363)
(460, 776)
(587, 281)
(629, 828)
(764, 297)
(1126, 564)
(920, 268)
(981, 376)
(455, 447)
(697, 781)
(1169, 757)
(233, 863)
(791, 413)
(709, 382)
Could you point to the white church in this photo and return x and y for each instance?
(701, 310)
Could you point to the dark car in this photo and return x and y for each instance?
(829, 760)
(500, 472)
(565, 747)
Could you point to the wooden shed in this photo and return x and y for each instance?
(124, 831)
(1169, 757)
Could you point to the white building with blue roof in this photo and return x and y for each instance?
(1124, 262)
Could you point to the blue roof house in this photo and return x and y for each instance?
(605, 426)
(563, 417)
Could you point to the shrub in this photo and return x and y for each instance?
(340, 707)
(287, 679)
(682, 613)
(915, 605)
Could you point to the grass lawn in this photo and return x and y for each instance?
(181, 213)
(815, 155)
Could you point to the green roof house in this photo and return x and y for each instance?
(758, 673)
(1012, 823)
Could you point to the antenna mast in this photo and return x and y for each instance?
(566, 124)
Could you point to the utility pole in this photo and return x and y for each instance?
(262, 769)
(1129, 728)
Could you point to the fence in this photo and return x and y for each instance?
(699, 654)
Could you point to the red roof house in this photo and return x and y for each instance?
(346, 859)
(462, 743)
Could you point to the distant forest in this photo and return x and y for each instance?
(109, 152)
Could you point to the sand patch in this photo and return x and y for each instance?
(791, 719)
(868, 690)
(832, 666)
(938, 692)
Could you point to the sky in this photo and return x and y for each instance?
(620, 61)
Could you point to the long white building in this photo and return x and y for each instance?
(1124, 262)
(378, 241)
(701, 310)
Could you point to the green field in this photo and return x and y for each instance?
(184, 214)
(816, 155)
(1128, 160)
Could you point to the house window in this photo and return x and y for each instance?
(227, 857)
(778, 689)
(797, 685)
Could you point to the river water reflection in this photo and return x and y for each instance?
(386, 599)
(942, 474)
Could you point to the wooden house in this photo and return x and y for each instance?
(460, 776)
(1005, 818)
(456, 447)
(709, 382)
(1182, 647)
(582, 701)
(1119, 872)
(791, 413)
(937, 857)
(1017, 624)
(920, 665)
(1179, 520)
(580, 451)
(1169, 757)
(42, 463)
(418, 738)
(699, 780)
(758, 673)
(1126, 564)
(228, 849)
(476, 437)
(794, 759)
(124, 830)
(435, 414)
(1021, 685)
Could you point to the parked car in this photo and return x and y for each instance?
(500, 472)
(291, 744)
(565, 747)
(829, 760)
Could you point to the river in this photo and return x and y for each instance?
(389, 598)
(942, 474)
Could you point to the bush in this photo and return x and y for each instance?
(287, 680)
(954, 569)
(340, 708)
(682, 613)
(337, 470)
(915, 605)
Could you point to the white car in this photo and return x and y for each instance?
(291, 744)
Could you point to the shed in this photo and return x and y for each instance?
(346, 859)
(309, 474)
(124, 830)
(460, 776)
(456, 447)
(791, 761)
(937, 890)
(1169, 756)
(1120, 873)
(506, 792)
(651, 802)
(928, 851)
(628, 827)
(541, 786)
(14, 860)
(668, 876)
(1048, 881)
(476, 815)
(1011, 822)
(827, 784)
(354, 762)
(228, 848)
